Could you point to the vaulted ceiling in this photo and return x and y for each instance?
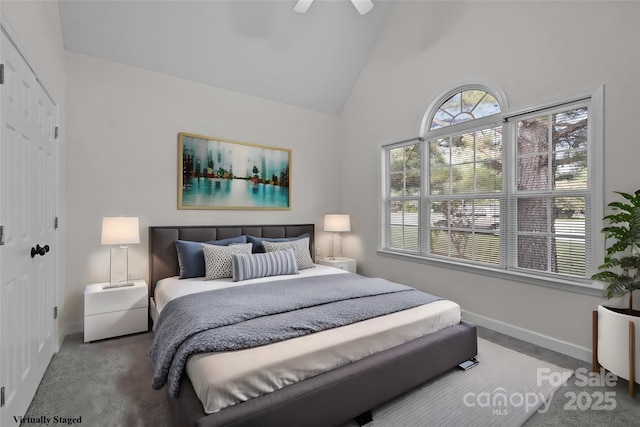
(261, 48)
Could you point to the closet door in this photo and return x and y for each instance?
(28, 205)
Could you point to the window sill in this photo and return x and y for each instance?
(586, 288)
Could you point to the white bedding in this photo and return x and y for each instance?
(173, 287)
(227, 378)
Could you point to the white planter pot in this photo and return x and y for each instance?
(613, 342)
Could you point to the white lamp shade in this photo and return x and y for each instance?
(120, 230)
(337, 222)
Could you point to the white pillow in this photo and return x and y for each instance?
(217, 259)
(251, 266)
(300, 247)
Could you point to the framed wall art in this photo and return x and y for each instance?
(216, 173)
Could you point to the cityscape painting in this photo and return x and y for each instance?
(218, 173)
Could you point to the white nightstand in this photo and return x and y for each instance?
(341, 263)
(115, 311)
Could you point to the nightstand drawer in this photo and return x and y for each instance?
(113, 324)
(341, 265)
(98, 300)
(346, 264)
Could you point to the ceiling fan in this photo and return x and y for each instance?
(363, 6)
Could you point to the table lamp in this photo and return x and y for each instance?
(338, 223)
(119, 231)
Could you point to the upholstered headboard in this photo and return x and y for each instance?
(163, 258)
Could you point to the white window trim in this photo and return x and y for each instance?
(596, 183)
(452, 90)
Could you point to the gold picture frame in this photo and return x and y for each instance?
(217, 173)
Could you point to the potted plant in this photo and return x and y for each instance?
(618, 349)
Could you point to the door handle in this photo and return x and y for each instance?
(39, 250)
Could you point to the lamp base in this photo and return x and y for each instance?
(337, 245)
(119, 268)
(116, 285)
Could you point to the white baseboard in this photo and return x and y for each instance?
(573, 350)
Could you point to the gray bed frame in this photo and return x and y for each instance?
(329, 399)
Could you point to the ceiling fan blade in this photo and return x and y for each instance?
(363, 6)
(302, 6)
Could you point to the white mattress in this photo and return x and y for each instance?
(226, 378)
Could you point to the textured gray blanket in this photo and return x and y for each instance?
(252, 315)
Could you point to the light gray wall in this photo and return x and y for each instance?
(37, 24)
(123, 159)
(533, 51)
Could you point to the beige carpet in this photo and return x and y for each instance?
(504, 389)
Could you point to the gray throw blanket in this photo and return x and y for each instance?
(253, 315)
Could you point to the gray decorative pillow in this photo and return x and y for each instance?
(191, 259)
(257, 241)
(251, 266)
(300, 247)
(217, 259)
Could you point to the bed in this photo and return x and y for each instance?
(329, 398)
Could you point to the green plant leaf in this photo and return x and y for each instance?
(630, 262)
(605, 276)
(620, 246)
(621, 268)
(617, 232)
(634, 226)
(626, 195)
(621, 206)
(619, 217)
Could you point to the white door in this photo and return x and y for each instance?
(28, 204)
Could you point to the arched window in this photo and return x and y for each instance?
(511, 191)
(463, 106)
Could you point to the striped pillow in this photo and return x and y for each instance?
(251, 266)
